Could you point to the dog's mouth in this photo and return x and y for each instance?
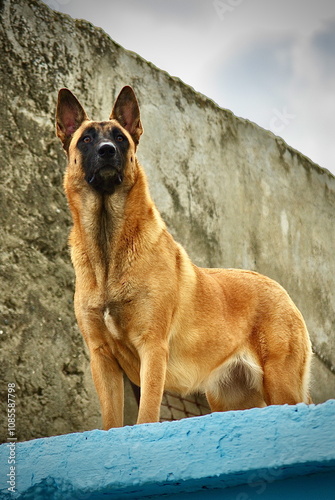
(105, 179)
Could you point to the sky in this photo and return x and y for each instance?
(269, 61)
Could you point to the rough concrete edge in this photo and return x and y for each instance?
(201, 99)
(215, 451)
(326, 362)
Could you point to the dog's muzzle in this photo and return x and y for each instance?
(107, 174)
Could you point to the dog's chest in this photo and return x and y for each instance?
(112, 324)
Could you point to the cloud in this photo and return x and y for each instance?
(266, 59)
(284, 82)
(323, 47)
(174, 12)
(311, 95)
(255, 76)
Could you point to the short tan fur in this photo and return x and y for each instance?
(145, 309)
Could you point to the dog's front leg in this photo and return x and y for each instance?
(108, 380)
(106, 371)
(153, 371)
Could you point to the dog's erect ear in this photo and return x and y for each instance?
(69, 116)
(127, 112)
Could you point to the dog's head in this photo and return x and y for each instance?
(102, 151)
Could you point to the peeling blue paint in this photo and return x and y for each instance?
(244, 453)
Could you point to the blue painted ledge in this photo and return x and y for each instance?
(273, 453)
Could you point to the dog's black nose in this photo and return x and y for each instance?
(106, 150)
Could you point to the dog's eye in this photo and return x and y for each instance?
(87, 139)
(119, 138)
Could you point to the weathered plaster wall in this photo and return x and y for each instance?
(234, 194)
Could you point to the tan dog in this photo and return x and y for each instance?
(145, 309)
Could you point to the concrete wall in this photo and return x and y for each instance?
(261, 453)
(234, 194)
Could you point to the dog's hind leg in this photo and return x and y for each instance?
(286, 381)
(287, 362)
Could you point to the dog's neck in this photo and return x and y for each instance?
(111, 229)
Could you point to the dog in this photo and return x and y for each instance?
(145, 309)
